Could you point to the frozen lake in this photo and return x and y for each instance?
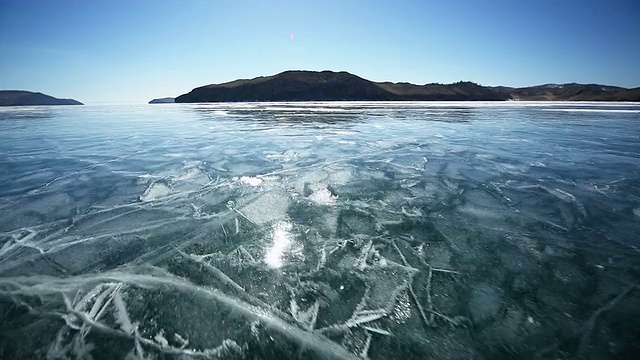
(320, 231)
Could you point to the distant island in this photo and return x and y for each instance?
(28, 98)
(301, 85)
(166, 100)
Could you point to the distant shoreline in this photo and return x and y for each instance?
(29, 98)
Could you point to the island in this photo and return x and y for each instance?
(166, 100)
(28, 98)
(302, 85)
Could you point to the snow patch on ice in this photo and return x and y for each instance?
(323, 197)
(253, 181)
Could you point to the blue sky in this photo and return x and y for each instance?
(136, 50)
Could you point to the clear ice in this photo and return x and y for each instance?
(321, 231)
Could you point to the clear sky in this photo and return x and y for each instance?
(136, 50)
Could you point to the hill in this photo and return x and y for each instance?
(28, 98)
(572, 92)
(329, 85)
(301, 85)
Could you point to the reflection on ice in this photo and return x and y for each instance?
(280, 241)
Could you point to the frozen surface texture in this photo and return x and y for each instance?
(321, 231)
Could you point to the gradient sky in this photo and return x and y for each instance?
(136, 50)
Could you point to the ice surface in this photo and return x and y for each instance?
(321, 231)
(266, 208)
(156, 190)
(485, 303)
